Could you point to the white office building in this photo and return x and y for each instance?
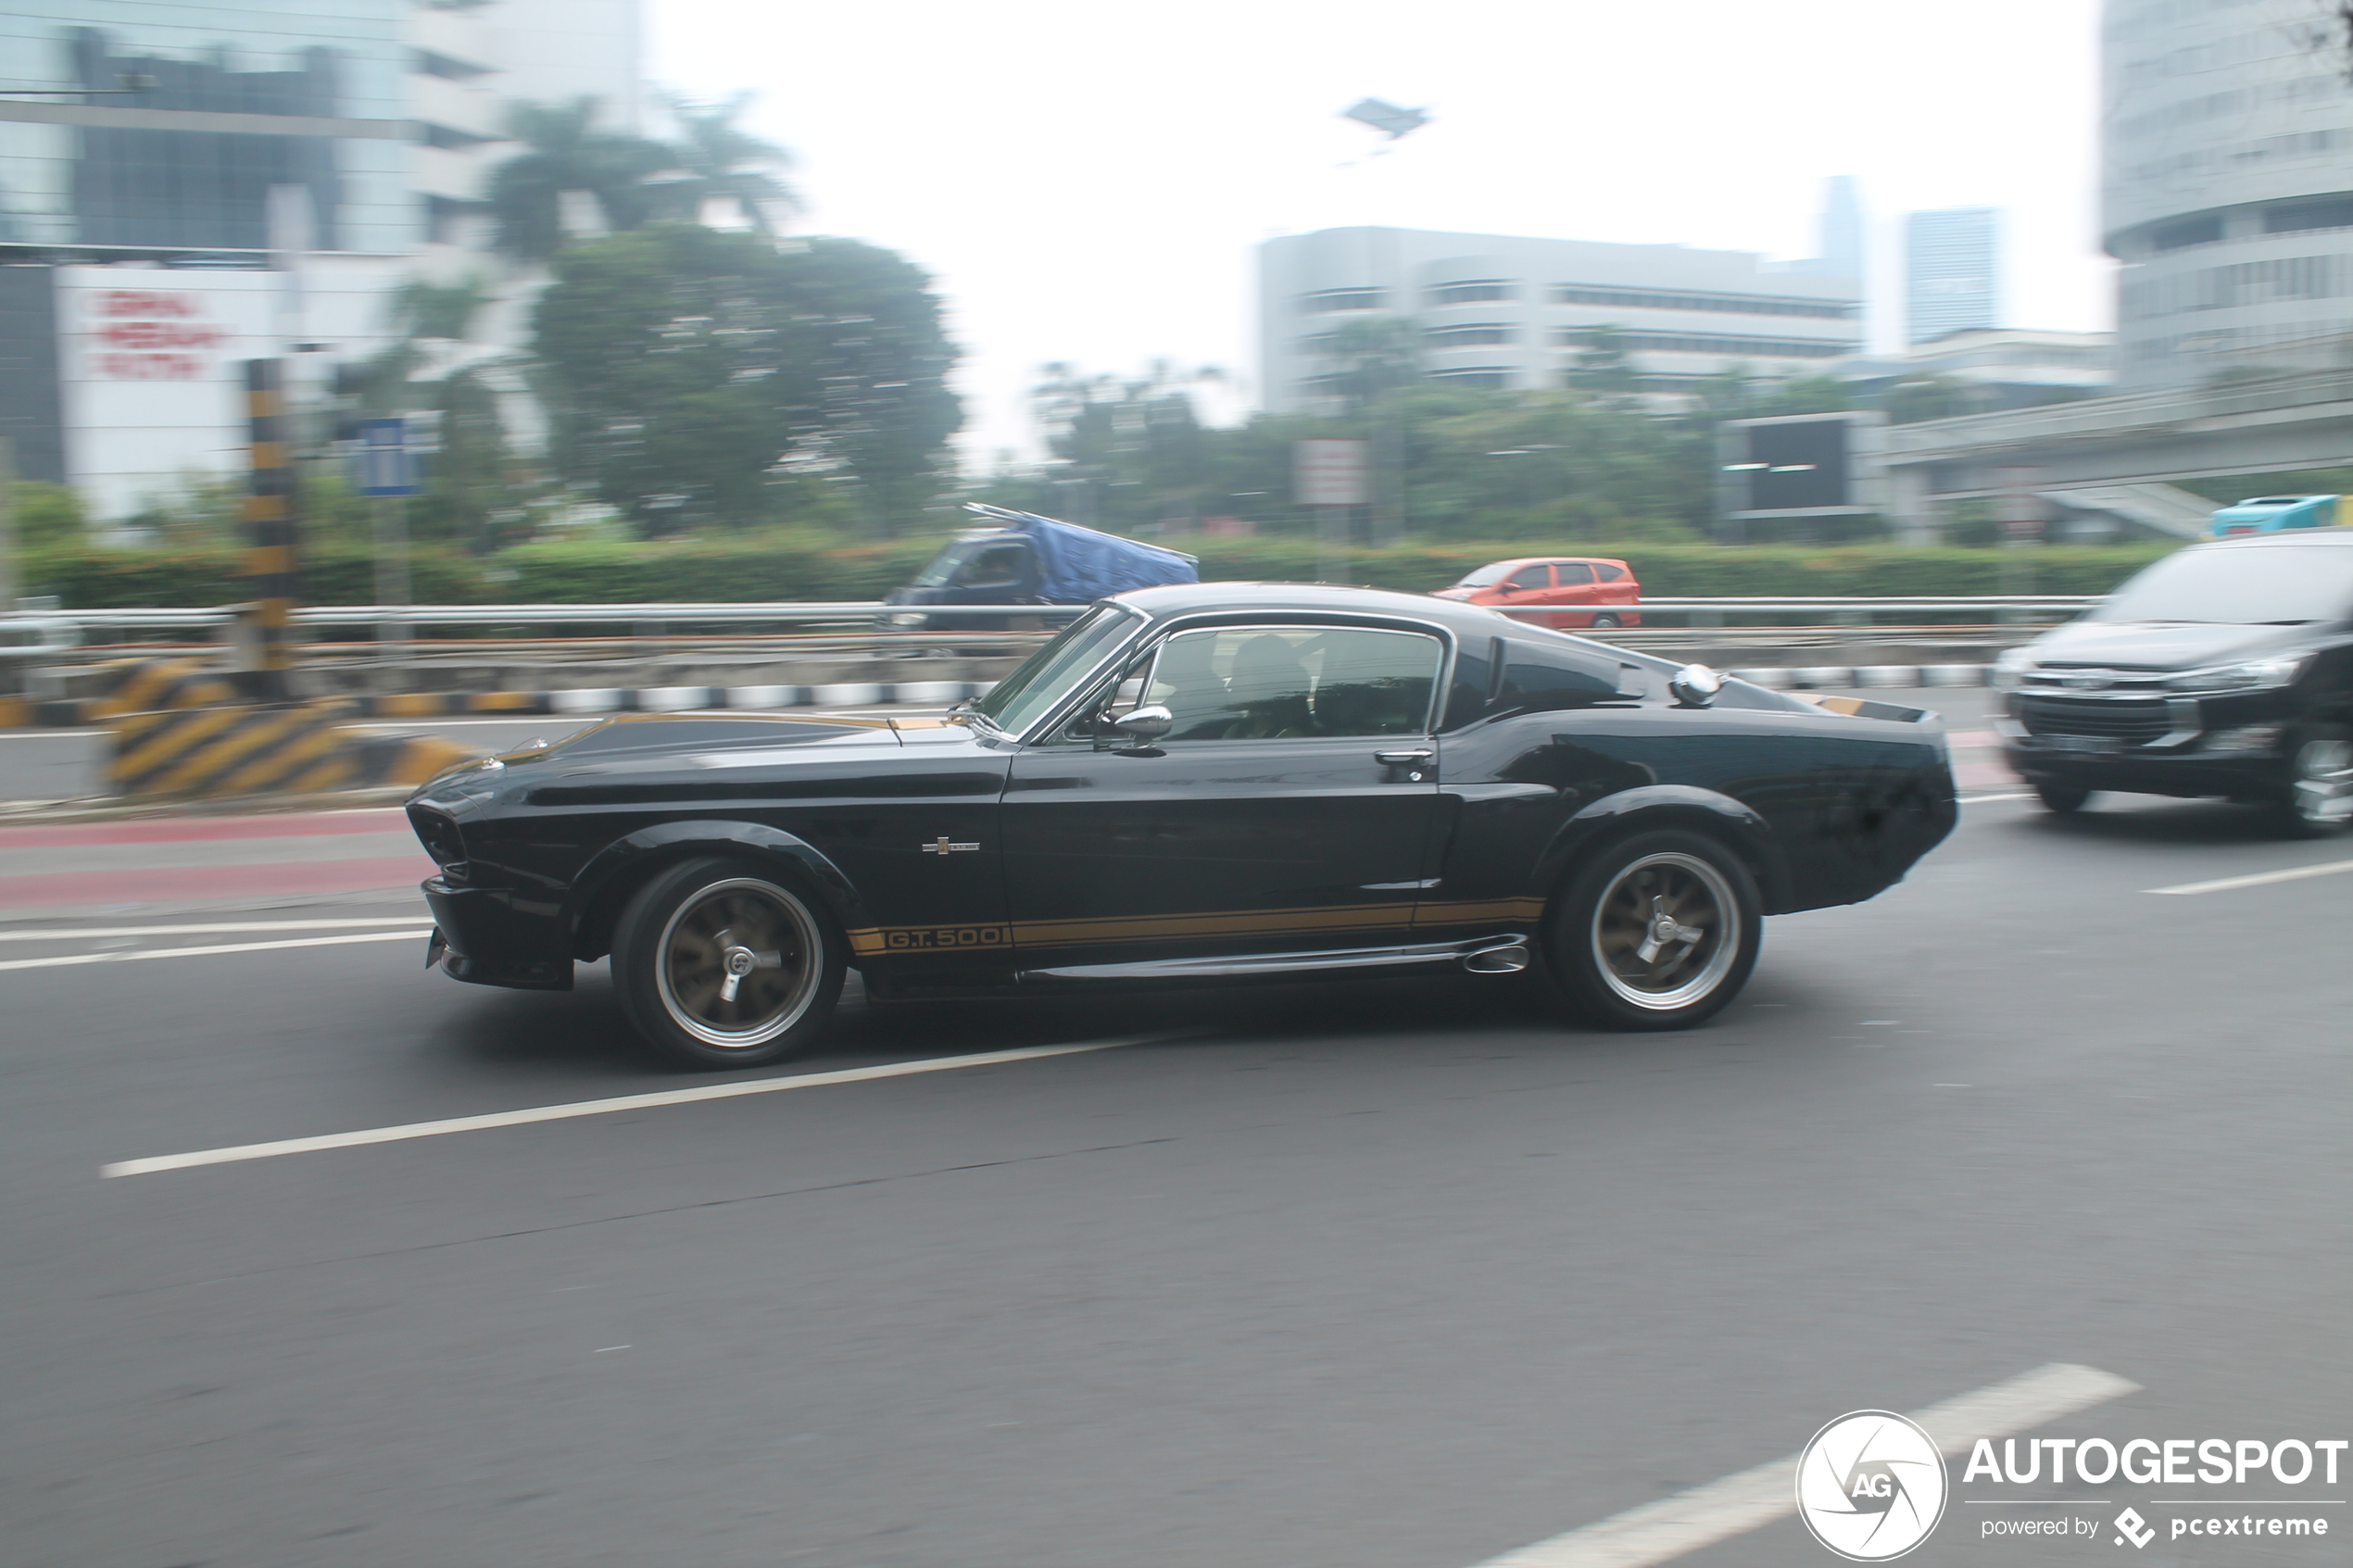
(2227, 188)
(1499, 310)
(134, 227)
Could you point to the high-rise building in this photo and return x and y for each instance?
(2227, 188)
(1952, 266)
(135, 226)
(1838, 233)
(1502, 311)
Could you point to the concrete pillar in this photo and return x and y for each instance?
(1911, 508)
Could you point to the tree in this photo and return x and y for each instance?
(565, 151)
(1603, 369)
(1373, 355)
(1136, 442)
(700, 376)
(730, 163)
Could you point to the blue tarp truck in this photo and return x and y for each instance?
(1023, 558)
(2268, 514)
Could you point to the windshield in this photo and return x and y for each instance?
(2237, 586)
(943, 566)
(1484, 576)
(1014, 703)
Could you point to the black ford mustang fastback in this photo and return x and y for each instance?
(1205, 782)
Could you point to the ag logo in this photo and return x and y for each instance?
(1871, 1485)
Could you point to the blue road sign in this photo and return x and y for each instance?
(386, 466)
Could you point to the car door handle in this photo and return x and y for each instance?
(1406, 759)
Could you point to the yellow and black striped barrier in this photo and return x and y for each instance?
(231, 750)
(148, 685)
(271, 513)
(303, 748)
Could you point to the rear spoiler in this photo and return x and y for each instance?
(1863, 707)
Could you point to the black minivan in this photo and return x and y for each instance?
(2224, 670)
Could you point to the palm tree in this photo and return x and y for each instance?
(565, 151)
(729, 162)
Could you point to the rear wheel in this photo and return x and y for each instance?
(2061, 798)
(722, 965)
(1600, 622)
(1659, 930)
(2318, 800)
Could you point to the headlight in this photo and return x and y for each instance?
(2255, 676)
(907, 618)
(2011, 667)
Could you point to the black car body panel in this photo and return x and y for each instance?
(955, 856)
(2186, 707)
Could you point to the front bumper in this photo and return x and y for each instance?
(2233, 745)
(481, 938)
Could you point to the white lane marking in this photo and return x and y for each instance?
(1981, 799)
(134, 955)
(2225, 884)
(602, 1107)
(1688, 1521)
(70, 935)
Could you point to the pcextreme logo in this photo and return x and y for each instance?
(1871, 1485)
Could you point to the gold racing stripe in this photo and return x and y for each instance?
(872, 940)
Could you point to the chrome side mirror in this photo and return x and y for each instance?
(1145, 725)
(1695, 685)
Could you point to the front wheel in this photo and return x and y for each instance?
(2318, 800)
(720, 964)
(2065, 799)
(1602, 622)
(1659, 932)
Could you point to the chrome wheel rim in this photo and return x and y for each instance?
(1666, 932)
(738, 963)
(2323, 782)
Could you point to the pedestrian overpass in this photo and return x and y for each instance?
(2120, 454)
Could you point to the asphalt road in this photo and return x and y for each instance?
(1390, 1275)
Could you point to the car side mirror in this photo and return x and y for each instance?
(1695, 685)
(1507, 587)
(1146, 724)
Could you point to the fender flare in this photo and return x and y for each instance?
(1665, 805)
(625, 858)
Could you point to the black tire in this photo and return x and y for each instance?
(2316, 799)
(2065, 799)
(1603, 622)
(1597, 927)
(699, 924)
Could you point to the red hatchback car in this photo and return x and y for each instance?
(1589, 591)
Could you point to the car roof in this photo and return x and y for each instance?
(1174, 599)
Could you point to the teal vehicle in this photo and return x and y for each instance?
(2269, 514)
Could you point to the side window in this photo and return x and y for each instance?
(999, 563)
(1538, 678)
(1611, 574)
(1474, 675)
(1532, 577)
(1267, 682)
(1573, 573)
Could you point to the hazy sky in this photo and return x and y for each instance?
(1085, 179)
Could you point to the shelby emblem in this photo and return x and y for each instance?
(943, 845)
(1871, 1485)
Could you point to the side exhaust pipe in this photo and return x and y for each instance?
(1507, 957)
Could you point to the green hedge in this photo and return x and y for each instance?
(741, 571)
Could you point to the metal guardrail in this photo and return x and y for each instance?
(62, 634)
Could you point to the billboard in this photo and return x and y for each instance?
(1801, 466)
(1331, 472)
(151, 366)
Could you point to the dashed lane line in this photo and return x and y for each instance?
(208, 928)
(1672, 1526)
(608, 1106)
(136, 955)
(2257, 879)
